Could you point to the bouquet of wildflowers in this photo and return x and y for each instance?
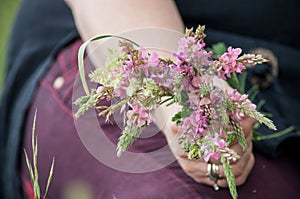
(141, 81)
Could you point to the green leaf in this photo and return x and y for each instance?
(186, 146)
(186, 112)
(260, 104)
(35, 166)
(194, 152)
(233, 81)
(166, 100)
(217, 49)
(242, 81)
(253, 91)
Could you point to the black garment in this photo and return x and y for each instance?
(271, 20)
(43, 27)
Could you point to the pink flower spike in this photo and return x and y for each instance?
(228, 63)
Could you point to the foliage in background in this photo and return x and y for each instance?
(7, 13)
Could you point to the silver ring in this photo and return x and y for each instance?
(213, 172)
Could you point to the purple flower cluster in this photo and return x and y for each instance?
(227, 63)
(195, 124)
(138, 116)
(210, 116)
(191, 56)
(140, 81)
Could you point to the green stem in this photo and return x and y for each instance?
(81, 52)
(275, 135)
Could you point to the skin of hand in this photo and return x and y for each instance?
(197, 169)
(96, 17)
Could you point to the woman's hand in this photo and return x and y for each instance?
(197, 169)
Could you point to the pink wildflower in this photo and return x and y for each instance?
(227, 63)
(195, 124)
(215, 155)
(191, 56)
(235, 96)
(139, 116)
(240, 101)
(221, 143)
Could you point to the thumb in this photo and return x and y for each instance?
(174, 128)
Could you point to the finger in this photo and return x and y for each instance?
(247, 125)
(242, 178)
(239, 149)
(197, 170)
(175, 128)
(241, 168)
(240, 164)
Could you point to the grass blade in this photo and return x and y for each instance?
(29, 166)
(49, 178)
(81, 52)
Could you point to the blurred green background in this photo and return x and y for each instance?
(8, 9)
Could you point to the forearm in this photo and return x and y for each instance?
(94, 17)
(97, 17)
